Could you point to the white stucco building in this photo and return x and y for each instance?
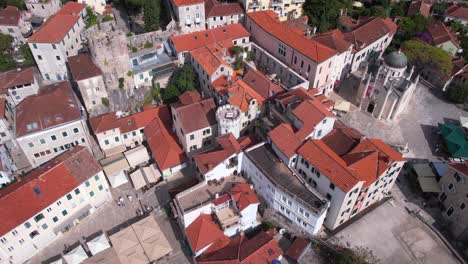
(49, 123)
(16, 85)
(191, 14)
(43, 9)
(220, 14)
(58, 39)
(16, 23)
(48, 212)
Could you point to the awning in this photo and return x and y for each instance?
(426, 177)
(342, 106)
(72, 218)
(137, 179)
(98, 244)
(114, 164)
(76, 255)
(151, 173)
(137, 156)
(118, 179)
(107, 256)
(128, 248)
(151, 238)
(464, 121)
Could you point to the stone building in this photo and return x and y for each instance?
(43, 9)
(108, 47)
(386, 86)
(15, 23)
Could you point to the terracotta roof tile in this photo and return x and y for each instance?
(202, 232)
(189, 97)
(461, 167)
(227, 146)
(163, 144)
(458, 12)
(440, 34)
(82, 67)
(210, 57)
(422, 7)
(310, 113)
(268, 21)
(300, 24)
(55, 104)
(214, 8)
(284, 138)
(10, 16)
(14, 78)
(205, 117)
(261, 84)
(238, 93)
(370, 32)
(261, 248)
(187, 42)
(45, 185)
(58, 25)
(2, 107)
(334, 39)
(187, 2)
(297, 248)
(243, 195)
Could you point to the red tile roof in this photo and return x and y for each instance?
(214, 8)
(54, 105)
(10, 16)
(261, 248)
(268, 21)
(205, 117)
(300, 24)
(457, 12)
(198, 39)
(2, 107)
(163, 144)
(285, 139)
(228, 146)
(461, 167)
(342, 139)
(310, 113)
(334, 39)
(441, 34)
(261, 84)
(129, 123)
(243, 195)
(44, 186)
(82, 67)
(58, 25)
(14, 78)
(370, 32)
(422, 7)
(202, 232)
(297, 248)
(210, 57)
(238, 92)
(189, 97)
(187, 2)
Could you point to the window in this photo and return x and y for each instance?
(462, 206)
(14, 232)
(21, 241)
(64, 212)
(11, 249)
(96, 177)
(64, 134)
(116, 139)
(27, 225)
(106, 142)
(3, 240)
(53, 137)
(34, 45)
(329, 197)
(100, 187)
(91, 193)
(134, 133)
(87, 183)
(45, 226)
(38, 217)
(69, 196)
(59, 203)
(75, 130)
(125, 136)
(332, 186)
(55, 219)
(53, 46)
(30, 144)
(450, 211)
(33, 234)
(354, 211)
(42, 141)
(450, 186)
(192, 137)
(57, 57)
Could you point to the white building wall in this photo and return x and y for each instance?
(191, 17)
(92, 91)
(248, 218)
(219, 21)
(222, 170)
(109, 139)
(97, 5)
(44, 9)
(40, 147)
(51, 58)
(362, 55)
(20, 246)
(18, 94)
(282, 202)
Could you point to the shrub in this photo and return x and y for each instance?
(134, 49)
(105, 101)
(121, 82)
(148, 45)
(107, 18)
(129, 73)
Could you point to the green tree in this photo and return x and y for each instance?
(27, 56)
(411, 26)
(378, 11)
(324, 13)
(107, 18)
(424, 56)
(398, 9)
(439, 8)
(458, 93)
(6, 59)
(182, 79)
(151, 14)
(92, 18)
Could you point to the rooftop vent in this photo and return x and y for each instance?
(37, 191)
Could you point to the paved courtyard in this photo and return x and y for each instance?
(416, 126)
(110, 215)
(395, 236)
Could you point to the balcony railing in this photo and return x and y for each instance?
(276, 3)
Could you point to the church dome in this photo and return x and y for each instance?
(396, 59)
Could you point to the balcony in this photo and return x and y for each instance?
(188, 21)
(228, 217)
(276, 3)
(197, 20)
(254, 4)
